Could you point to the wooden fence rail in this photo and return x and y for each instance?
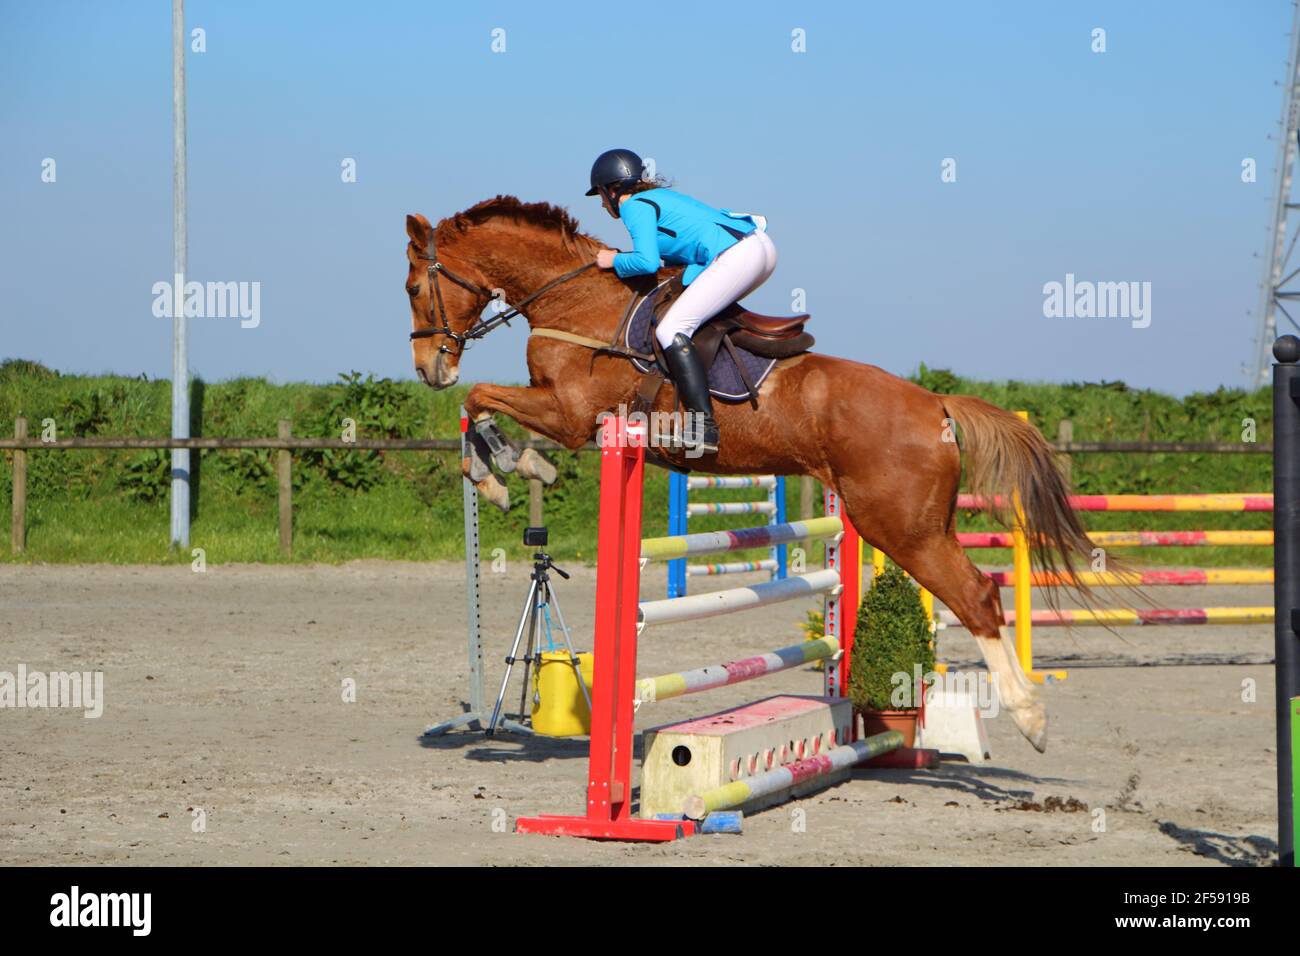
(286, 444)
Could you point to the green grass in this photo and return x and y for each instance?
(86, 506)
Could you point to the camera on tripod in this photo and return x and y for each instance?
(533, 625)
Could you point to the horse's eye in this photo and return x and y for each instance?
(413, 290)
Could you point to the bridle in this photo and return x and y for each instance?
(480, 327)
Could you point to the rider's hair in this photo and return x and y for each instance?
(641, 185)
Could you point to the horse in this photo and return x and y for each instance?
(891, 450)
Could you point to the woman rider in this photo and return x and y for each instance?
(665, 224)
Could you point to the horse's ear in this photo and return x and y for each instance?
(418, 229)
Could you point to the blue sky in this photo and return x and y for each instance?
(1121, 166)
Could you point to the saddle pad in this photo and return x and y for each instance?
(725, 382)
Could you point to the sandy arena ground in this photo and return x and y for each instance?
(224, 693)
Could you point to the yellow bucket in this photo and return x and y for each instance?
(559, 708)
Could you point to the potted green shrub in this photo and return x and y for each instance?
(892, 645)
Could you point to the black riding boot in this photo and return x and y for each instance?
(692, 381)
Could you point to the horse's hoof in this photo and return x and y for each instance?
(1016, 694)
(1031, 720)
(532, 464)
(493, 490)
(505, 460)
(498, 445)
(475, 469)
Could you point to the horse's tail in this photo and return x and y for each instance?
(1007, 458)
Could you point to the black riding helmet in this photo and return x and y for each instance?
(612, 169)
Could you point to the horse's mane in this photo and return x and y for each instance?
(541, 214)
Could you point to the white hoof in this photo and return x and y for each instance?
(1016, 693)
(533, 465)
(1031, 720)
(492, 489)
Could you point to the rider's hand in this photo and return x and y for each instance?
(605, 258)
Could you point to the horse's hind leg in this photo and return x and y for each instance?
(941, 565)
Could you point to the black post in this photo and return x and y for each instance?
(1286, 568)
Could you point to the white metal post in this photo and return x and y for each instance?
(180, 524)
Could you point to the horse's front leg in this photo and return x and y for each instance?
(534, 408)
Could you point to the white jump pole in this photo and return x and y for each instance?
(695, 607)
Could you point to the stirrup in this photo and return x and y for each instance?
(702, 436)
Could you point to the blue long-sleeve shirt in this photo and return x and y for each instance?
(668, 225)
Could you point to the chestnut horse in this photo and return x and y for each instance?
(885, 445)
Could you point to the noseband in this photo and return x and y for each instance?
(480, 327)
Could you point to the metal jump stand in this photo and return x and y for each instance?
(475, 718)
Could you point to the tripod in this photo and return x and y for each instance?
(541, 598)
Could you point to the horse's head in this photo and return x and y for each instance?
(445, 304)
(501, 248)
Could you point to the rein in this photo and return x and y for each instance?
(482, 327)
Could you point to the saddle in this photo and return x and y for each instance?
(772, 336)
(736, 332)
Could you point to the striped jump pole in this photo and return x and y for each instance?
(666, 686)
(1126, 617)
(1153, 578)
(1211, 502)
(1022, 578)
(698, 482)
(729, 508)
(1124, 539)
(739, 792)
(729, 567)
(695, 607)
(717, 542)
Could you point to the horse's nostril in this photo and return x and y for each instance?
(419, 370)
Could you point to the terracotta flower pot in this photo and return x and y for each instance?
(879, 721)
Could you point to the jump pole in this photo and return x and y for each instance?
(1118, 539)
(666, 686)
(695, 607)
(1128, 617)
(1186, 502)
(714, 542)
(1143, 578)
(739, 792)
(1286, 587)
(680, 511)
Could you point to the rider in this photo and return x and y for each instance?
(667, 224)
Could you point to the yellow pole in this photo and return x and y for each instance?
(1021, 574)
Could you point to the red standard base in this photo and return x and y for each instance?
(905, 758)
(655, 831)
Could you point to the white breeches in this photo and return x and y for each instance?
(738, 271)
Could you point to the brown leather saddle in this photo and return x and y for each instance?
(770, 336)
